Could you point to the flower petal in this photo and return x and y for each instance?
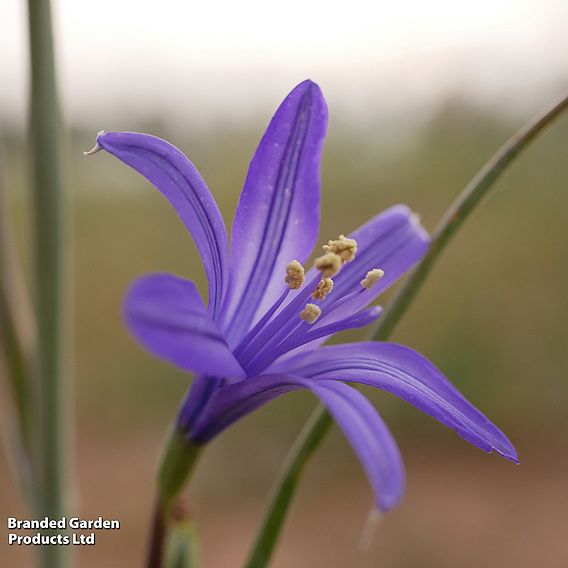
(200, 392)
(370, 438)
(234, 401)
(305, 334)
(166, 314)
(408, 375)
(362, 426)
(277, 218)
(178, 180)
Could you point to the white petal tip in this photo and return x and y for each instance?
(96, 148)
(369, 531)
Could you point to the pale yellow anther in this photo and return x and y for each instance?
(373, 276)
(328, 264)
(310, 313)
(324, 287)
(294, 275)
(344, 247)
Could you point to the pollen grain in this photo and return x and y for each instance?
(310, 313)
(328, 264)
(295, 275)
(372, 277)
(324, 287)
(343, 246)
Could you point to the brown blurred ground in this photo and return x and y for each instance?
(493, 317)
(462, 509)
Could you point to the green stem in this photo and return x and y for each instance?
(14, 364)
(177, 465)
(320, 422)
(49, 275)
(459, 211)
(182, 549)
(16, 347)
(304, 447)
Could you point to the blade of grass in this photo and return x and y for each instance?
(49, 276)
(16, 348)
(320, 422)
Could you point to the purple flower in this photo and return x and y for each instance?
(260, 335)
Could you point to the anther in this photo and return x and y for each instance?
(328, 264)
(344, 247)
(294, 275)
(310, 313)
(324, 287)
(372, 277)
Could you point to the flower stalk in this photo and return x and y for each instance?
(178, 462)
(50, 261)
(461, 208)
(182, 550)
(320, 421)
(306, 444)
(177, 465)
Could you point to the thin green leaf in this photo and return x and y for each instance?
(50, 265)
(320, 422)
(16, 348)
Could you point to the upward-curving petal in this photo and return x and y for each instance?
(277, 218)
(408, 375)
(178, 180)
(166, 314)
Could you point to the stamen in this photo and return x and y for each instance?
(295, 275)
(310, 313)
(324, 287)
(373, 276)
(328, 264)
(344, 247)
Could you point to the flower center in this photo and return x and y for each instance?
(337, 253)
(283, 327)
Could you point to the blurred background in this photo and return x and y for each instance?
(420, 95)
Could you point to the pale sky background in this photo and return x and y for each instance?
(200, 59)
